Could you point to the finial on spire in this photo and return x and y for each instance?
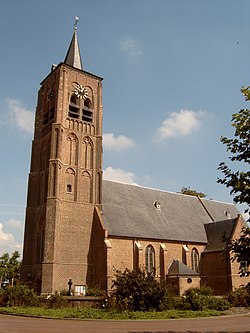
(76, 21)
(73, 56)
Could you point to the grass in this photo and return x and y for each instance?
(91, 313)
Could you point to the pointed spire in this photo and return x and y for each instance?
(73, 56)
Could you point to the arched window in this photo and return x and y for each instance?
(72, 149)
(87, 103)
(49, 107)
(87, 113)
(70, 183)
(150, 259)
(81, 104)
(74, 107)
(195, 260)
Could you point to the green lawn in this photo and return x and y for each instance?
(91, 313)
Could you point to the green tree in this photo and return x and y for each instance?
(10, 267)
(136, 290)
(18, 295)
(4, 259)
(240, 248)
(189, 191)
(239, 181)
(239, 148)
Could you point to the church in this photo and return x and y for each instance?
(82, 228)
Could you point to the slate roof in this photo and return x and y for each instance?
(215, 232)
(177, 268)
(130, 211)
(218, 210)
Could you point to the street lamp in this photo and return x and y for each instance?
(70, 285)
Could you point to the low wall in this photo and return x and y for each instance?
(85, 301)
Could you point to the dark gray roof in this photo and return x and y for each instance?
(177, 268)
(215, 232)
(129, 211)
(73, 56)
(219, 211)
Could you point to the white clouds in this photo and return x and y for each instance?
(119, 175)
(13, 223)
(121, 142)
(8, 242)
(181, 123)
(131, 48)
(20, 117)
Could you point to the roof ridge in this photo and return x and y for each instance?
(148, 188)
(219, 201)
(220, 221)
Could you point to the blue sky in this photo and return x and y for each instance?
(172, 77)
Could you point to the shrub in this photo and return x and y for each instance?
(56, 301)
(240, 296)
(202, 299)
(138, 291)
(95, 291)
(219, 304)
(64, 292)
(19, 295)
(247, 288)
(205, 291)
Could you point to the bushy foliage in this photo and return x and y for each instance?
(189, 191)
(64, 292)
(203, 299)
(240, 296)
(56, 301)
(239, 148)
(10, 266)
(205, 291)
(240, 249)
(19, 295)
(138, 291)
(238, 180)
(95, 291)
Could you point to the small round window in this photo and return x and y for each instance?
(157, 205)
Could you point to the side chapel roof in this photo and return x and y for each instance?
(216, 231)
(139, 212)
(177, 268)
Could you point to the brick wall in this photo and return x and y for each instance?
(130, 253)
(237, 280)
(64, 183)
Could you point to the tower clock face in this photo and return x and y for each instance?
(81, 92)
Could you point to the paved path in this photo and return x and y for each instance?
(228, 324)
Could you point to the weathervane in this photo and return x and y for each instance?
(76, 21)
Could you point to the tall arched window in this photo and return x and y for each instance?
(81, 104)
(72, 149)
(195, 260)
(49, 107)
(74, 107)
(87, 154)
(87, 113)
(150, 259)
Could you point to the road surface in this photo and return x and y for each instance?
(225, 324)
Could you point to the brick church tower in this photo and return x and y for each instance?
(65, 180)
